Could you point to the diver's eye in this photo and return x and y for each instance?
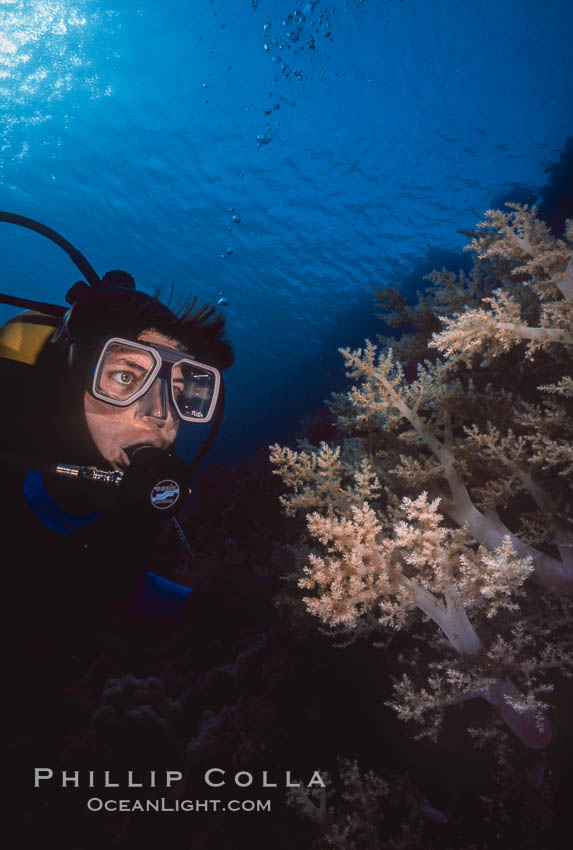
(123, 378)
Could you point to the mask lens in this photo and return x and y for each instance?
(122, 372)
(193, 388)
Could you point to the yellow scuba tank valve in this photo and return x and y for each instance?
(24, 336)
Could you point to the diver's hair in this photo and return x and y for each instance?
(121, 311)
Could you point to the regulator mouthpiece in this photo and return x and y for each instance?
(155, 480)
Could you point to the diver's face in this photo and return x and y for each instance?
(113, 429)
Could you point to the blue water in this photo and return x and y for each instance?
(291, 157)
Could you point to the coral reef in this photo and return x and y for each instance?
(360, 810)
(450, 488)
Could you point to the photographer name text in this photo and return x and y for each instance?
(214, 777)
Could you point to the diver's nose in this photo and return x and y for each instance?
(154, 404)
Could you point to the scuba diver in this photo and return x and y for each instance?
(93, 397)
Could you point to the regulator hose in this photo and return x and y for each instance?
(75, 256)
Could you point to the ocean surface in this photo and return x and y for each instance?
(284, 157)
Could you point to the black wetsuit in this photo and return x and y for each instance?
(72, 561)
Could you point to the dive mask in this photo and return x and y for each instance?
(126, 371)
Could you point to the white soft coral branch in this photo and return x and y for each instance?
(422, 565)
(496, 330)
(493, 446)
(382, 389)
(547, 265)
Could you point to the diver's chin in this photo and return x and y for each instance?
(122, 461)
(118, 460)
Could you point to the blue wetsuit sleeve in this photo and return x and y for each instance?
(156, 600)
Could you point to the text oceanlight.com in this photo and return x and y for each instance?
(97, 804)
